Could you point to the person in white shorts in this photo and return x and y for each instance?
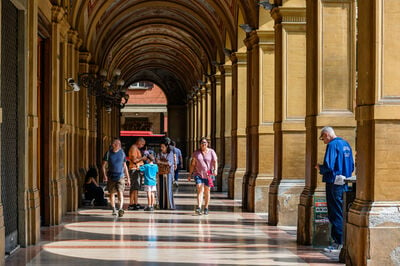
(150, 171)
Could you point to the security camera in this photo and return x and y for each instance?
(73, 85)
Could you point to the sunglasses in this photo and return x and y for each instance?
(203, 142)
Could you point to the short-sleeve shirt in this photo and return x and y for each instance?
(178, 155)
(150, 173)
(204, 163)
(116, 162)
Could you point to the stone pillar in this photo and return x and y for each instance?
(195, 120)
(74, 108)
(88, 115)
(227, 130)
(189, 130)
(260, 47)
(219, 126)
(373, 227)
(203, 112)
(290, 110)
(239, 113)
(209, 113)
(330, 93)
(30, 194)
(56, 153)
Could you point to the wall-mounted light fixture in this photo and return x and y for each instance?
(110, 92)
(246, 27)
(267, 5)
(74, 86)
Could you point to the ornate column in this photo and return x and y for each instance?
(260, 45)
(330, 93)
(239, 113)
(195, 119)
(57, 183)
(208, 110)
(203, 111)
(226, 135)
(373, 227)
(189, 131)
(88, 115)
(30, 195)
(290, 109)
(75, 157)
(219, 127)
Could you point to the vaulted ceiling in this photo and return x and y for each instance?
(169, 42)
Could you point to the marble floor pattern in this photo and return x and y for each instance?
(227, 236)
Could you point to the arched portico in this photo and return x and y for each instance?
(261, 95)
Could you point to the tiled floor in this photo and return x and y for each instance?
(226, 236)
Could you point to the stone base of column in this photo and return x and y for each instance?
(225, 181)
(373, 233)
(288, 198)
(57, 189)
(2, 235)
(273, 202)
(257, 194)
(305, 217)
(235, 182)
(72, 192)
(32, 217)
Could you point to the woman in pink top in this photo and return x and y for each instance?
(203, 167)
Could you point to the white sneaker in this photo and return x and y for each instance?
(335, 248)
(114, 212)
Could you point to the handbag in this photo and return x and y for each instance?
(163, 166)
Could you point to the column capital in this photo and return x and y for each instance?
(252, 40)
(57, 14)
(266, 37)
(84, 57)
(241, 58)
(73, 38)
(293, 15)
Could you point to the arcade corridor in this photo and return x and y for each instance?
(258, 78)
(227, 236)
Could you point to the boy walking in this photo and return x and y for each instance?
(150, 173)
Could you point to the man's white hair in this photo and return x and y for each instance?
(328, 130)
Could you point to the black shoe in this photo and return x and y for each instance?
(198, 211)
(205, 211)
(131, 207)
(138, 207)
(147, 209)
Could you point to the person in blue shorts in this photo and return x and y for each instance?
(203, 167)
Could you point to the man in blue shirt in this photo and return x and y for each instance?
(115, 159)
(179, 161)
(338, 165)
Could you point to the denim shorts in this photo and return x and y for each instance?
(199, 180)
